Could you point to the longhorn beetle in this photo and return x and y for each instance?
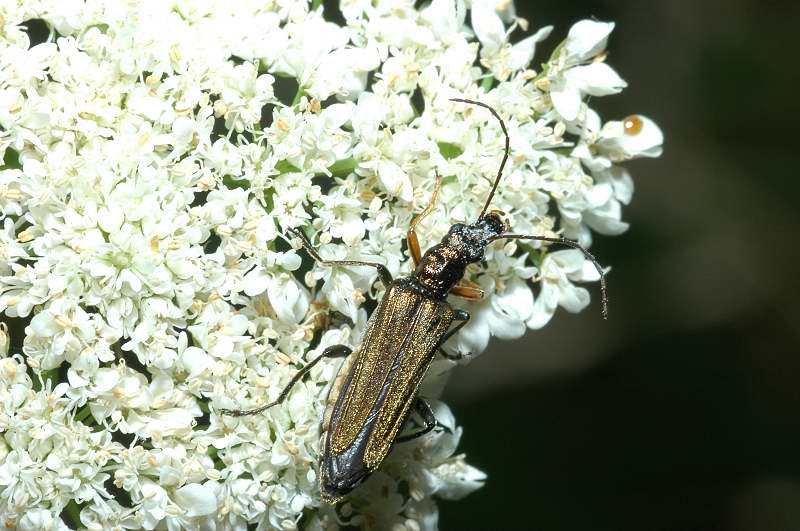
(375, 391)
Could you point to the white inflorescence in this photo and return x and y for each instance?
(152, 164)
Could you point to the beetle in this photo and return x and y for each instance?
(375, 390)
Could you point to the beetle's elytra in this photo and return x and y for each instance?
(376, 388)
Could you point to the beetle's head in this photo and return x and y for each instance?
(493, 224)
(470, 240)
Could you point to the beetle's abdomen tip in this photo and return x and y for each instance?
(330, 499)
(333, 494)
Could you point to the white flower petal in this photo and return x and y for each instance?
(574, 298)
(182, 130)
(587, 38)
(566, 99)
(290, 261)
(287, 298)
(395, 181)
(544, 306)
(445, 16)
(197, 499)
(522, 52)
(337, 115)
(606, 219)
(195, 360)
(487, 24)
(596, 79)
(165, 422)
(598, 195)
(105, 379)
(353, 230)
(462, 481)
(44, 324)
(622, 182)
(511, 308)
(222, 348)
(567, 260)
(110, 219)
(369, 114)
(647, 142)
(255, 282)
(474, 336)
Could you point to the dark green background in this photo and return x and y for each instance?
(682, 412)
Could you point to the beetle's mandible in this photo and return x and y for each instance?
(375, 390)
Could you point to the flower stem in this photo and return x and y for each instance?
(44, 377)
(300, 93)
(487, 83)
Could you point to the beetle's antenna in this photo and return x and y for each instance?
(505, 155)
(574, 245)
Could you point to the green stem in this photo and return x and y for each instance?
(45, 376)
(315, 4)
(487, 83)
(300, 93)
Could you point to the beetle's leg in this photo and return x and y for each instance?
(411, 238)
(383, 273)
(574, 245)
(460, 315)
(422, 407)
(334, 351)
(467, 282)
(467, 292)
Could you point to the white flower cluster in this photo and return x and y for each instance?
(151, 169)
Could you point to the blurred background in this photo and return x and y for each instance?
(682, 411)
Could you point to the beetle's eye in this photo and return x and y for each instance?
(495, 220)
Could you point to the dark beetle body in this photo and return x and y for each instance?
(379, 385)
(376, 390)
(443, 265)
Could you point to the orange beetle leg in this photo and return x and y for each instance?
(467, 292)
(413, 242)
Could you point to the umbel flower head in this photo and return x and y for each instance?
(153, 163)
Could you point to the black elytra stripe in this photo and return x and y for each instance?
(344, 471)
(411, 321)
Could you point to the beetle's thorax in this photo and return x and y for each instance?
(440, 269)
(443, 265)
